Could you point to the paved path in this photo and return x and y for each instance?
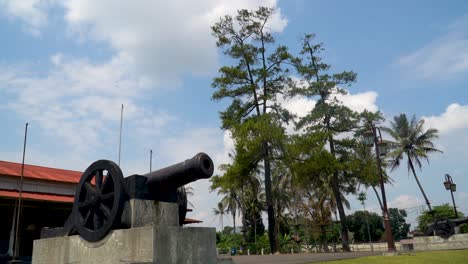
(299, 258)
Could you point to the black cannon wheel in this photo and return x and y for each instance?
(98, 200)
(444, 227)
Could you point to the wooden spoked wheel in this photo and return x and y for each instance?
(98, 200)
(444, 227)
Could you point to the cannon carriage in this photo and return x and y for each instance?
(444, 227)
(103, 195)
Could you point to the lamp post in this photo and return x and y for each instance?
(372, 139)
(449, 185)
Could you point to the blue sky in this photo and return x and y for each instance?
(67, 66)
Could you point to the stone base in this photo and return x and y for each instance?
(162, 242)
(458, 241)
(136, 245)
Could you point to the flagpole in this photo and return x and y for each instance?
(151, 160)
(120, 137)
(18, 211)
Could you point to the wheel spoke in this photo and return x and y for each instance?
(105, 211)
(107, 182)
(89, 188)
(87, 217)
(97, 220)
(107, 196)
(86, 203)
(99, 179)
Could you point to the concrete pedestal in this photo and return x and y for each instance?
(457, 241)
(163, 241)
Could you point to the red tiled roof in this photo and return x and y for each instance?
(191, 221)
(39, 172)
(38, 196)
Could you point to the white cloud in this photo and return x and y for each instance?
(444, 57)
(454, 118)
(78, 102)
(164, 39)
(299, 105)
(179, 147)
(33, 13)
(360, 101)
(404, 201)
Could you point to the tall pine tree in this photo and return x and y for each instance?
(257, 75)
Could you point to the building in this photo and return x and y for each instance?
(47, 200)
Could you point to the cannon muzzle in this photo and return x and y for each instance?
(175, 176)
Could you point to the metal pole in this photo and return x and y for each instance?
(120, 137)
(388, 227)
(454, 206)
(18, 211)
(151, 159)
(448, 186)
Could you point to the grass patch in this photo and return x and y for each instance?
(426, 257)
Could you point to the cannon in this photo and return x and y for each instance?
(444, 227)
(103, 195)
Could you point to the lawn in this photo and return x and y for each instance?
(439, 257)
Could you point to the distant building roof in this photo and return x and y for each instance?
(191, 221)
(38, 172)
(37, 196)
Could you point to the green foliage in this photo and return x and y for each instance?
(257, 75)
(253, 220)
(333, 167)
(400, 228)
(440, 211)
(308, 173)
(228, 240)
(464, 228)
(357, 223)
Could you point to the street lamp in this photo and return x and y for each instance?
(449, 185)
(372, 139)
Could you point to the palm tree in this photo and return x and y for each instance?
(220, 211)
(232, 204)
(412, 141)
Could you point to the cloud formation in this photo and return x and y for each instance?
(405, 201)
(443, 58)
(77, 101)
(455, 118)
(157, 43)
(162, 46)
(33, 13)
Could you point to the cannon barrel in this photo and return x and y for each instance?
(460, 221)
(199, 167)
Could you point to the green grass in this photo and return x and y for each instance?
(427, 257)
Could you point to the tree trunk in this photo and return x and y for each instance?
(269, 200)
(337, 194)
(341, 212)
(243, 212)
(419, 184)
(234, 221)
(378, 197)
(277, 232)
(324, 238)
